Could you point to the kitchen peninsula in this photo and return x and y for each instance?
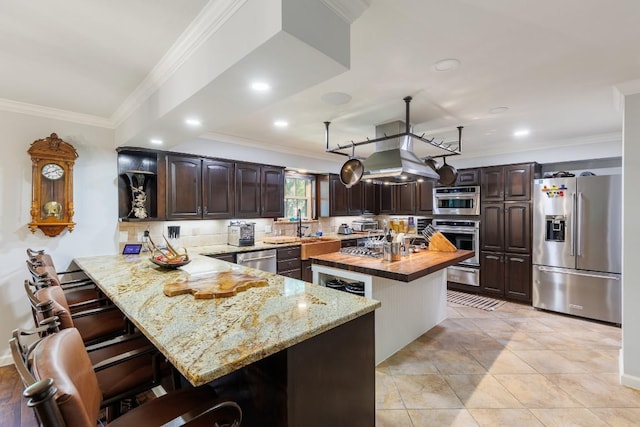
(289, 331)
(413, 291)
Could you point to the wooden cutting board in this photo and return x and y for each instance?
(218, 285)
(280, 239)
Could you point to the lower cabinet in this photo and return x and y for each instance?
(506, 275)
(307, 273)
(224, 257)
(289, 263)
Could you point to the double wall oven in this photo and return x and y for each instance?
(457, 211)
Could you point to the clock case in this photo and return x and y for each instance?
(52, 219)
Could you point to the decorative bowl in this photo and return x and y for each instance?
(169, 265)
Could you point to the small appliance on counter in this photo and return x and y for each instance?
(364, 225)
(344, 229)
(241, 233)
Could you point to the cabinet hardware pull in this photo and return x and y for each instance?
(517, 259)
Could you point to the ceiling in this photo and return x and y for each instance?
(553, 64)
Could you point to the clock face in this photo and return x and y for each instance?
(52, 171)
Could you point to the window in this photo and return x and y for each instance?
(299, 193)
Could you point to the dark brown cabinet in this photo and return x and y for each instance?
(259, 191)
(307, 272)
(369, 191)
(199, 188)
(184, 187)
(289, 263)
(505, 230)
(139, 167)
(217, 189)
(344, 201)
(397, 199)
(508, 183)
(424, 197)
(468, 177)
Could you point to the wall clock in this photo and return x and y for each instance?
(52, 162)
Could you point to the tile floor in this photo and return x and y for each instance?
(515, 366)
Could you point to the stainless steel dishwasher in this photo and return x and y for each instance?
(261, 260)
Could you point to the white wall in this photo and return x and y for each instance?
(630, 354)
(95, 203)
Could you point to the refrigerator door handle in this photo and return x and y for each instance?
(579, 226)
(577, 273)
(572, 225)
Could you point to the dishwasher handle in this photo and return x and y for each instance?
(244, 260)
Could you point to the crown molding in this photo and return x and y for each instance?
(55, 113)
(212, 16)
(349, 10)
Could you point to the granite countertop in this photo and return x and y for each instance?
(409, 268)
(208, 338)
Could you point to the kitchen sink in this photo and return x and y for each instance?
(310, 246)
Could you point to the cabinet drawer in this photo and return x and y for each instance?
(224, 257)
(295, 274)
(289, 264)
(288, 253)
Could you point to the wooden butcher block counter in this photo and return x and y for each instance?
(409, 267)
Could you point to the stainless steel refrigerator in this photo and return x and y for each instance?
(577, 246)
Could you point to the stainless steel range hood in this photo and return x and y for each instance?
(394, 160)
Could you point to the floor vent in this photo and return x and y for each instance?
(476, 301)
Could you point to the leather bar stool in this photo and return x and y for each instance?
(64, 390)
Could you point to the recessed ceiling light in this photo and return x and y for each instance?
(336, 98)
(521, 132)
(498, 110)
(193, 122)
(448, 64)
(281, 123)
(260, 86)
(155, 141)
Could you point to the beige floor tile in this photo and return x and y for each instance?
(597, 391)
(505, 417)
(548, 361)
(501, 362)
(442, 417)
(481, 391)
(516, 340)
(564, 417)
(558, 341)
(529, 325)
(456, 362)
(619, 417)
(439, 339)
(593, 361)
(493, 324)
(452, 312)
(473, 313)
(387, 394)
(591, 339)
(478, 340)
(460, 324)
(426, 392)
(536, 391)
(393, 418)
(411, 362)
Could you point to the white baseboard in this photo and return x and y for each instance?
(625, 379)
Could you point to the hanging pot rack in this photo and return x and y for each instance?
(448, 147)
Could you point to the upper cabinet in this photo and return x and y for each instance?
(259, 191)
(507, 183)
(184, 187)
(468, 177)
(218, 179)
(424, 197)
(343, 201)
(138, 169)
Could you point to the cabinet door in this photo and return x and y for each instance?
(424, 193)
(184, 187)
(492, 183)
(272, 192)
(247, 191)
(217, 189)
(307, 273)
(369, 197)
(517, 227)
(468, 177)
(492, 273)
(386, 200)
(518, 277)
(517, 182)
(406, 199)
(492, 227)
(355, 199)
(338, 197)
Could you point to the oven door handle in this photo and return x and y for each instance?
(465, 269)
